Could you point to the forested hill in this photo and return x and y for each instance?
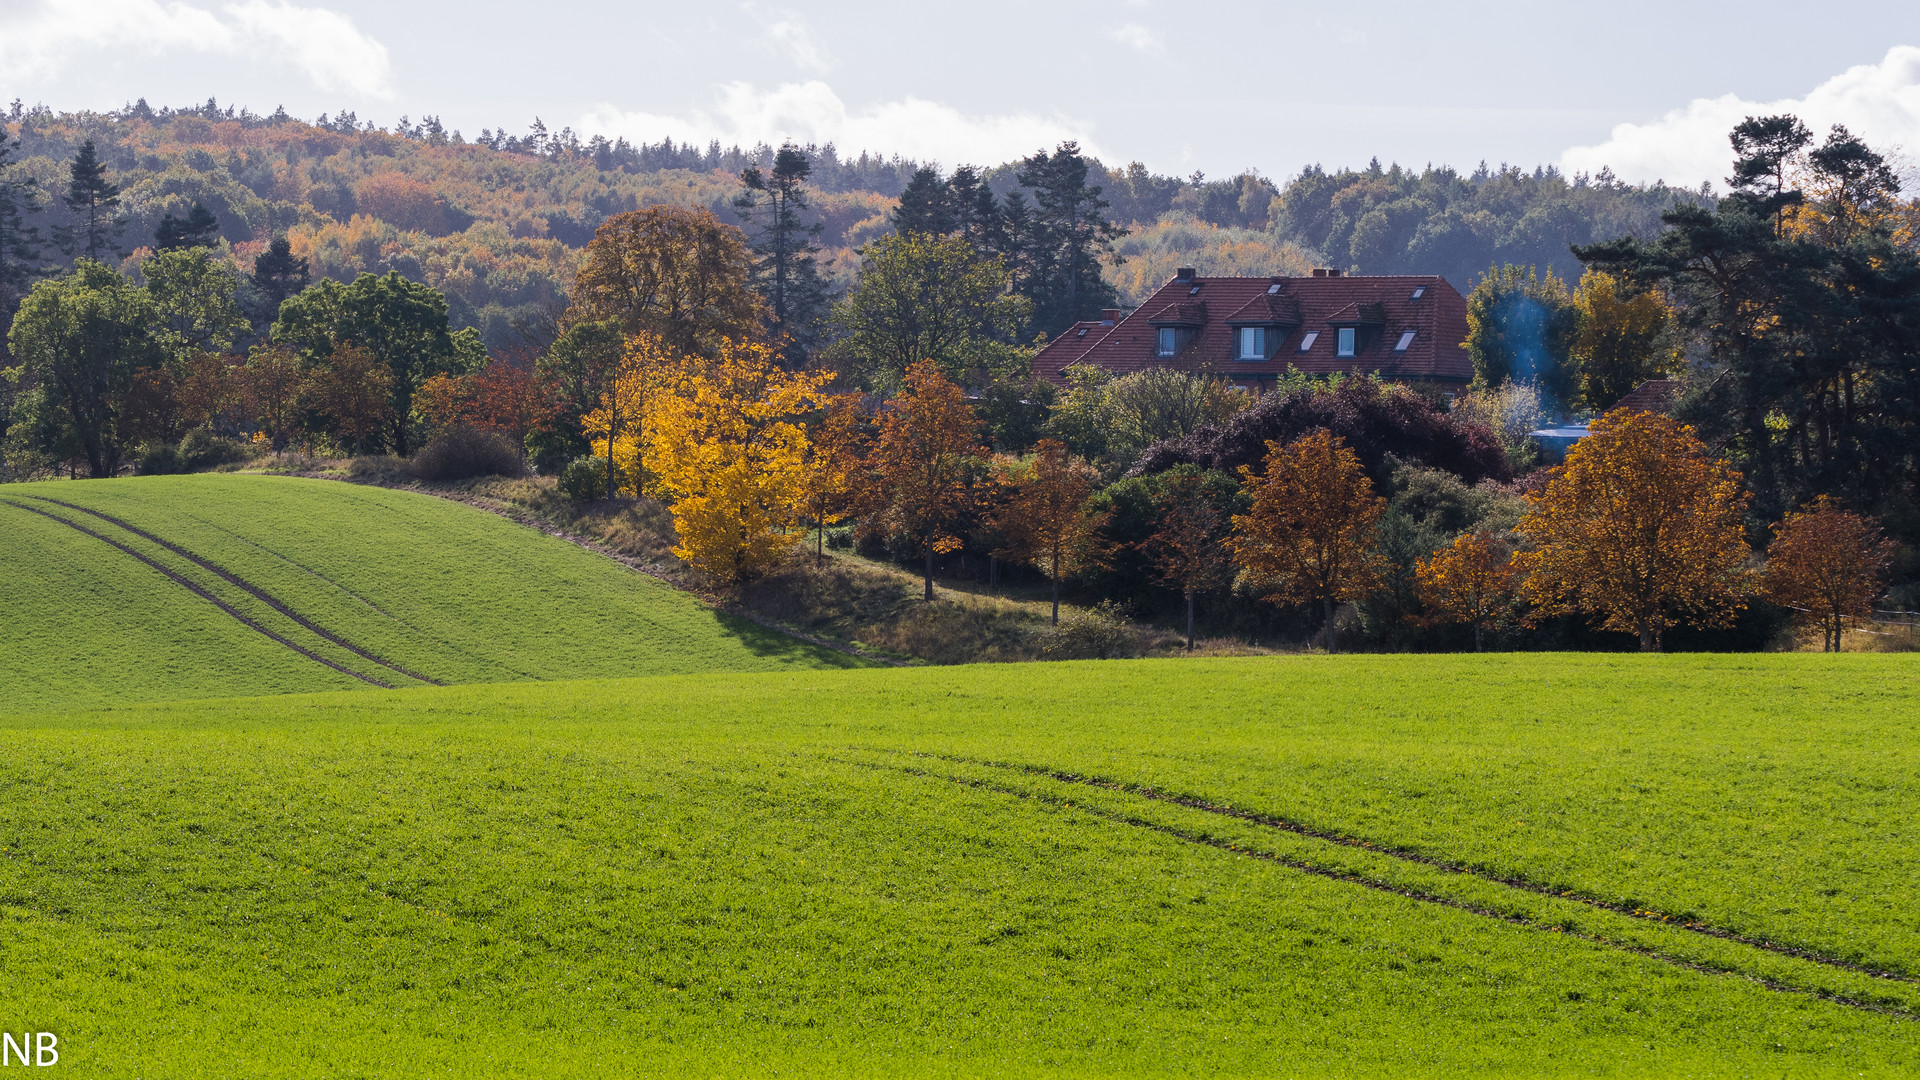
(497, 222)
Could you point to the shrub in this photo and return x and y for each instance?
(162, 460)
(1100, 632)
(200, 451)
(585, 479)
(462, 452)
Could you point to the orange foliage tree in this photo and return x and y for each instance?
(354, 393)
(502, 396)
(1640, 528)
(1189, 545)
(1829, 565)
(1045, 518)
(1309, 535)
(728, 451)
(1472, 581)
(271, 385)
(835, 453)
(678, 274)
(925, 462)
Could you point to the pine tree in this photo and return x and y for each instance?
(94, 202)
(19, 241)
(198, 229)
(279, 273)
(1074, 234)
(924, 206)
(784, 248)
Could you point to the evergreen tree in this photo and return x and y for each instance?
(94, 202)
(924, 206)
(278, 273)
(19, 241)
(784, 248)
(198, 229)
(1073, 236)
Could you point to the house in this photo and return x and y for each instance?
(1654, 395)
(1254, 330)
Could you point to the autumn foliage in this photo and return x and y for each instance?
(1045, 519)
(1473, 581)
(1640, 529)
(1829, 565)
(1309, 536)
(926, 462)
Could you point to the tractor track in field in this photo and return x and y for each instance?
(248, 587)
(1281, 824)
(197, 590)
(1892, 1011)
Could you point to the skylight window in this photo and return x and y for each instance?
(1307, 342)
(1195, 291)
(1418, 293)
(1273, 289)
(1406, 339)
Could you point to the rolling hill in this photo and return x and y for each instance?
(156, 588)
(1358, 866)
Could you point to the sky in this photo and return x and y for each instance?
(1646, 89)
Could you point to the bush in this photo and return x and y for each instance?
(464, 452)
(585, 479)
(162, 460)
(1100, 632)
(200, 451)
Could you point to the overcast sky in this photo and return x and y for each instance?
(1647, 88)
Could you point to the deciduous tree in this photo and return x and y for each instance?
(680, 275)
(1044, 520)
(925, 462)
(353, 392)
(1472, 581)
(1829, 565)
(1641, 529)
(646, 366)
(1521, 327)
(931, 298)
(194, 295)
(836, 444)
(1188, 546)
(80, 339)
(1309, 536)
(271, 383)
(1619, 343)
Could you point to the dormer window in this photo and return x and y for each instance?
(1307, 342)
(1406, 340)
(1253, 343)
(1348, 335)
(1169, 339)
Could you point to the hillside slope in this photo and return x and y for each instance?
(192, 586)
(1349, 866)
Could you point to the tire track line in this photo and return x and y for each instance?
(257, 593)
(1299, 829)
(203, 594)
(1174, 832)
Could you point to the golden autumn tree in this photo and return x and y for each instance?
(728, 450)
(836, 445)
(925, 461)
(1044, 518)
(270, 386)
(1472, 581)
(677, 274)
(1619, 344)
(1828, 565)
(1640, 528)
(353, 391)
(1309, 536)
(619, 423)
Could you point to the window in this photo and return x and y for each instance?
(1253, 343)
(1418, 293)
(1195, 291)
(1347, 335)
(1307, 342)
(1273, 289)
(1168, 338)
(1406, 339)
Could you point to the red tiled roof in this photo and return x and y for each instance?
(1382, 307)
(1654, 395)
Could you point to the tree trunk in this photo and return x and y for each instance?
(1476, 637)
(1326, 603)
(609, 460)
(1649, 642)
(929, 547)
(1189, 620)
(1056, 588)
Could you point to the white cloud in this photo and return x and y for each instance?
(812, 112)
(1138, 38)
(1878, 102)
(787, 35)
(44, 37)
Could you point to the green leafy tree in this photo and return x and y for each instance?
(785, 248)
(93, 201)
(194, 297)
(402, 323)
(1521, 328)
(576, 372)
(81, 339)
(922, 297)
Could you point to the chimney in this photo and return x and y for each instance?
(1110, 315)
(1185, 273)
(1319, 271)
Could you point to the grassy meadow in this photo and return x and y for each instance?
(339, 586)
(1587, 865)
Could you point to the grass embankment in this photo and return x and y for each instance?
(1441, 866)
(192, 586)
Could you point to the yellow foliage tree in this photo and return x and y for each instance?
(1472, 581)
(836, 439)
(619, 424)
(1641, 528)
(727, 446)
(1310, 533)
(1619, 345)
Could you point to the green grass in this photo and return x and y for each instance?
(888, 872)
(432, 588)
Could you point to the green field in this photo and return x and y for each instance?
(315, 585)
(1350, 866)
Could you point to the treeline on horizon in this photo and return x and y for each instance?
(497, 221)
